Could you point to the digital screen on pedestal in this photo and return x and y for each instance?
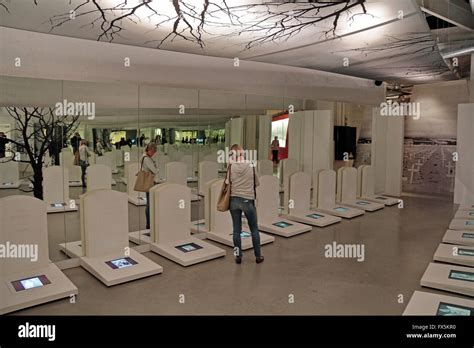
(471, 213)
(382, 198)
(465, 252)
(244, 234)
(315, 216)
(7, 183)
(282, 224)
(186, 248)
(121, 263)
(468, 235)
(58, 205)
(448, 309)
(363, 203)
(470, 223)
(200, 224)
(30, 283)
(461, 275)
(340, 209)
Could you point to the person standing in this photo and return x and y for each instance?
(84, 155)
(3, 142)
(75, 142)
(148, 164)
(99, 149)
(142, 139)
(243, 182)
(275, 147)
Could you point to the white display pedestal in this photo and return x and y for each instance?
(99, 177)
(366, 187)
(127, 165)
(347, 191)
(190, 171)
(289, 166)
(56, 190)
(464, 214)
(446, 277)
(66, 159)
(26, 282)
(9, 175)
(104, 235)
(108, 159)
(325, 189)
(462, 224)
(176, 173)
(220, 223)
(161, 161)
(459, 237)
(269, 219)
(265, 167)
(425, 303)
(207, 171)
(170, 233)
(455, 254)
(299, 200)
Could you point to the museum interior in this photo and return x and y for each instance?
(354, 117)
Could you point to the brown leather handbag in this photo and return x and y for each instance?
(145, 180)
(223, 203)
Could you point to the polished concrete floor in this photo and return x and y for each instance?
(399, 244)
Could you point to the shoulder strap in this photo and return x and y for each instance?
(228, 175)
(254, 184)
(143, 159)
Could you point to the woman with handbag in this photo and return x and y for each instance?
(84, 155)
(242, 179)
(148, 168)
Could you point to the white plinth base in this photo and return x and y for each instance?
(365, 205)
(140, 237)
(10, 185)
(72, 249)
(459, 237)
(109, 276)
(348, 213)
(388, 201)
(191, 179)
(273, 227)
(226, 238)
(138, 201)
(455, 254)
(75, 183)
(436, 276)
(199, 226)
(425, 303)
(60, 287)
(64, 209)
(302, 216)
(169, 250)
(464, 215)
(462, 224)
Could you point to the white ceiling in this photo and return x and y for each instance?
(377, 44)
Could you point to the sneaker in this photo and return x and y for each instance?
(259, 259)
(238, 260)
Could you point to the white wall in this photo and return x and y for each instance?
(464, 180)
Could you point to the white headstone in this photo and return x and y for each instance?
(104, 222)
(112, 160)
(99, 177)
(188, 160)
(268, 197)
(326, 188)
(207, 171)
(170, 212)
(161, 162)
(9, 172)
(176, 172)
(299, 192)
(23, 222)
(56, 185)
(348, 188)
(219, 222)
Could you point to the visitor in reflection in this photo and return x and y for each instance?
(84, 155)
(142, 139)
(75, 142)
(275, 147)
(99, 149)
(149, 165)
(243, 181)
(3, 144)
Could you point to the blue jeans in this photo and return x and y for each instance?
(147, 210)
(84, 166)
(247, 206)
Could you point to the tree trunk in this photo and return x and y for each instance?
(38, 180)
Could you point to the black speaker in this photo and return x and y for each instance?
(344, 142)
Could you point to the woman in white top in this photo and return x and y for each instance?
(149, 165)
(243, 181)
(84, 155)
(99, 149)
